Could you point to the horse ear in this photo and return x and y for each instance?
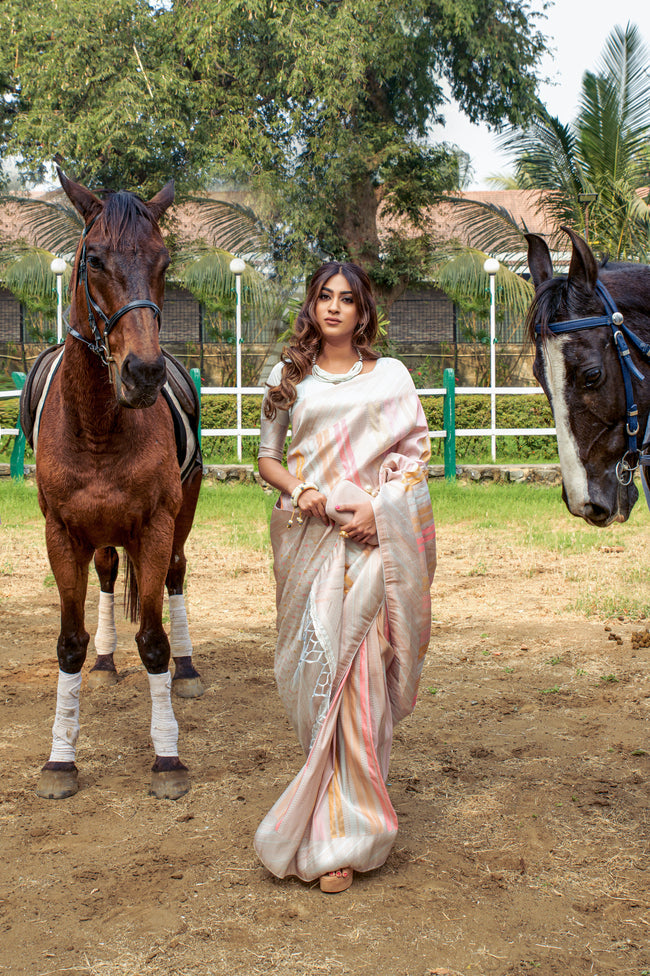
(539, 259)
(158, 204)
(583, 267)
(81, 198)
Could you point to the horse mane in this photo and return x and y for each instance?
(545, 305)
(120, 216)
(559, 291)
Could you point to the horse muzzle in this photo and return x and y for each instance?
(138, 383)
(600, 511)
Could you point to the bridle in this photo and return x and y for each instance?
(633, 457)
(100, 345)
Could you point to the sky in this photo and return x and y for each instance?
(577, 32)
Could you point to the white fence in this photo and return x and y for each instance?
(492, 431)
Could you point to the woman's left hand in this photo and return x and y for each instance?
(361, 527)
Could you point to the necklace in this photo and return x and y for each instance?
(322, 374)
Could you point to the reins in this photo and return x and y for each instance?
(100, 345)
(633, 458)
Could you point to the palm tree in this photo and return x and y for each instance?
(592, 175)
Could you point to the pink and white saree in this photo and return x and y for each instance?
(353, 621)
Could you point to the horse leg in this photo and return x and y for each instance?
(103, 671)
(170, 778)
(59, 775)
(187, 681)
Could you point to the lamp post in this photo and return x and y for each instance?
(58, 267)
(237, 267)
(587, 199)
(491, 266)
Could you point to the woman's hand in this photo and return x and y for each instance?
(312, 503)
(362, 526)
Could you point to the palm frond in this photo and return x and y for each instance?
(489, 227)
(463, 278)
(52, 225)
(26, 273)
(233, 227)
(205, 272)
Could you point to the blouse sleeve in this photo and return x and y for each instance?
(273, 433)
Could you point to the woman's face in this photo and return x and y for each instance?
(336, 311)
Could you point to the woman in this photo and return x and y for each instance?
(353, 599)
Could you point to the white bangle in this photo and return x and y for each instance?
(298, 490)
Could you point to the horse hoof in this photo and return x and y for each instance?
(57, 784)
(170, 784)
(101, 678)
(188, 687)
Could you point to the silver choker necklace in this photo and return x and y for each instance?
(322, 374)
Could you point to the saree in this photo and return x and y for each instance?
(353, 621)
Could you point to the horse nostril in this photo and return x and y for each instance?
(596, 513)
(139, 374)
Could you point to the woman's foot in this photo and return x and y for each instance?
(337, 880)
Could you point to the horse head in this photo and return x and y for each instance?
(119, 285)
(585, 359)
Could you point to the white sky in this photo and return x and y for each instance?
(577, 31)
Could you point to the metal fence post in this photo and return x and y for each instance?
(17, 460)
(196, 378)
(449, 422)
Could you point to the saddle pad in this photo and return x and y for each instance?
(35, 390)
(179, 392)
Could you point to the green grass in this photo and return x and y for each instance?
(243, 508)
(526, 514)
(18, 502)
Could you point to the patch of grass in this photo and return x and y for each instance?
(555, 660)
(616, 604)
(239, 511)
(608, 678)
(550, 691)
(18, 502)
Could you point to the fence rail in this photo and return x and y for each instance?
(450, 432)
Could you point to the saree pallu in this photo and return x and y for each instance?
(353, 623)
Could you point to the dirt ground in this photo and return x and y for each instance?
(520, 782)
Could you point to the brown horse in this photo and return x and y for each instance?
(108, 474)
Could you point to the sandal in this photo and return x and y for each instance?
(337, 880)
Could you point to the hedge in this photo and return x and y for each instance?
(533, 410)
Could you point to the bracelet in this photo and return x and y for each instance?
(298, 490)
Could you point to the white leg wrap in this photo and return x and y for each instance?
(164, 727)
(65, 730)
(179, 634)
(106, 636)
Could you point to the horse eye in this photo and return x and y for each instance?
(591, 377)
(94, 262)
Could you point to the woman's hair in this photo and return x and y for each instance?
(304, 342)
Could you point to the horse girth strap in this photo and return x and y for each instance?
(633, 457)
(100, 345)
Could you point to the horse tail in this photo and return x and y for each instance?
(131, 595)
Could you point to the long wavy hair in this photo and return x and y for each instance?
(305, 341)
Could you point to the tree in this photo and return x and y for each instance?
(335, 144)
(96, 86)
(321, 107)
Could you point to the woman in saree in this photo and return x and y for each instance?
(354, 555)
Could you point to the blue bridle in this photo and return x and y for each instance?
(633, 457)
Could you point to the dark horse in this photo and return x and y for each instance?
(108, 472)
(591, 330)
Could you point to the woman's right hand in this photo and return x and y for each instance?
(312, 503)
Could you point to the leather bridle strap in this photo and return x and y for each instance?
(100, 345)
(633, 457)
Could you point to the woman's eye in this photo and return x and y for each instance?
(591, 377)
